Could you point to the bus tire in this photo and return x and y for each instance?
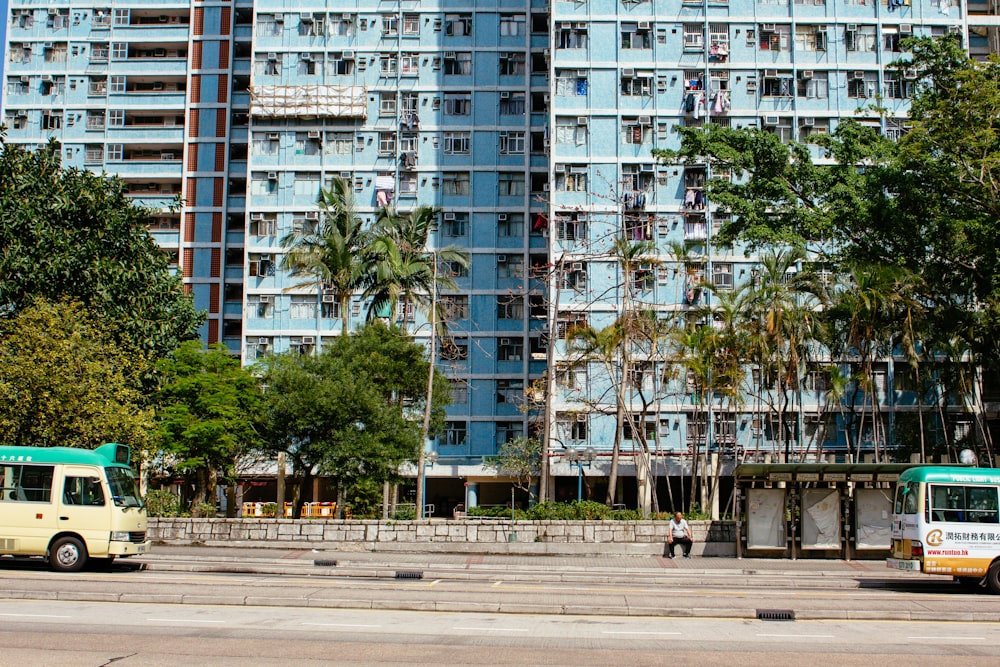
(67, 554)
(970, 584)
(993, 578)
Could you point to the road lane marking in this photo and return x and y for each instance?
(637, 632)
(496, 584)
(36, 615)
(761, 634)
(490, 629)
(951, 638)
(183, 620)
(345, 625)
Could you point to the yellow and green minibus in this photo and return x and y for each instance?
(946, 520)
(70, 505)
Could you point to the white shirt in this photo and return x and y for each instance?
(678, 529)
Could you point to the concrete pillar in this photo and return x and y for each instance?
(471, 495)
(714, 503)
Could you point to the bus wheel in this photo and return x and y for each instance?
(67, 554)
(970, 584)
(993, 578)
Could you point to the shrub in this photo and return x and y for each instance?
(162, 503)
(204, 511)
(405, 514)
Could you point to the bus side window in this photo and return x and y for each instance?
(910, 499)
(82, 491)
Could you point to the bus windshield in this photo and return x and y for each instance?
(123, 489)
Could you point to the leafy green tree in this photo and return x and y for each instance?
(353, 411)
(65, 382)
(207, 407)
(72, 234)
(520, 459)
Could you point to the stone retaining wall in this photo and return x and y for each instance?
(462, 531)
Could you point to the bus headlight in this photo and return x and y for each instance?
(119, 536)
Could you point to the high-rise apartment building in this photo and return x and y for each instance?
(528, 123)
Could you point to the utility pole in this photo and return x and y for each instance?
(430, 393)
(279, 511)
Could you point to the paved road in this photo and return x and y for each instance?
(86, 633)
(558, 586)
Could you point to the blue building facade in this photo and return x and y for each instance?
(528, 124)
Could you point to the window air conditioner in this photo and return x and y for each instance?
(308, 340)
(501, 259)
(272, 175)
(265, 298)
(770, 27)
(272, 56)
(643, 25)
(449, 216)
(263, 340)
(314, 134)
(329, 298)
(628, 71)
(273, 136)
(770, 120)
(576, 266)
(906, 29)
(306, 17)
(47, 77)
(582, 120)
(645, 120)
(504, 95)
(347, 55)
(306, 57)
(582, 73)
(581, 26)
(505, 341)
(852, 27)
(502, 217)
(771, 73)
(312, 215)
(859, 74)
(256, 216)
(806, 74)
(807, 121)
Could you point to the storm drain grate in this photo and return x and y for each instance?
(409, 574)
(775, 615)
(325, 563)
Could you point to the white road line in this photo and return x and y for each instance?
(760, 634)
(183, 620)
(491, 629)
(345, 625)
(36, 615)
(637, 632)
(951, 638)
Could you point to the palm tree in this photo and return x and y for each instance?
(337, 254)
(405, 270)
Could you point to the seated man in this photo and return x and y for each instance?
(678, 532)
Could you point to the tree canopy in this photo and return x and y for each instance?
(64, 382)
(72, 234)
(354, 410)
(207, 408)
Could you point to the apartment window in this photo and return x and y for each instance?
(510, 307)
(637, 36)
(387, 143)
(454, 349)
(860, 38)
(457, 104)
(263, 224)
(116, 117)
(572, 178)
(511, 184)
(455, 307)
(813, 85)
(890, 39)
(267, 64)
(511, 25)
(571, 83)
(897, 86)
(862, 85)
(458, 25)
(409, 64)
(97, 86)
(390, 24)
(260, 306)
(694, 37)
(16, 87)
(637, 131)
(411, 25)
(455, 269)
(722, 275)
(718, 37)
(512, 143)
(775, 37)
(457, 63)
(302, 307)
(810, 38)
(408, 184)
(339, 143)
(511, 104)
(459, 392)
(633, 86)
(95, 120)
(308, 65)
(115, 152)
(571, 226)
(776, 84)
(809, 127)
(52, 120)
(454, 434)
(570, 37)
(265, 143)
(455, 224)
(781, 126)
(510, 391)
(342, 28)
(512, 64)
(269, 25)
(56, 53)
(94, 154)
(387, 104)
(510, 225)
(388, 65)
(306, 145)
(510, 349)
(262, 185)
(456, 183)
(457, 143)
(510, 266)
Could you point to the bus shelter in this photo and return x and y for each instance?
(820, 510)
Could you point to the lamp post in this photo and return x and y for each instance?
(430, 458)
(421, 477)
(579, 459)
